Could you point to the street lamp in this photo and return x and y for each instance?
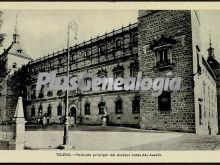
(71, 25)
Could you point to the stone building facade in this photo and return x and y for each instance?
(215, 66)
(161, 44)
(171, 32)
(114, 54)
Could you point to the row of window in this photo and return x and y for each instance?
(118, 106)
(163, 58)
(164, 102)
(211, 94)
(49, 110)
(87, 54)
(118, 71)
(163, 54)
(202, 115)
(87, 108)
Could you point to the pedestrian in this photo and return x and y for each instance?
(38, 121)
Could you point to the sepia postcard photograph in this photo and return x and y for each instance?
(113, 80)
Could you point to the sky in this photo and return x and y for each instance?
(45, 31)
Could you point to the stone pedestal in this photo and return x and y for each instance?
(19, 127)
(20, 134)
(66, 147)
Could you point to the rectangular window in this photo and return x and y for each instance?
(49, 110)
(101, 107)
(135, 39)
(118, 106)
(163, 57)
(118, 44)
(135, 106)
(60, 93)
(87, 109)
(41, 93)
(59, 110)
(88, 54)
(164, 101)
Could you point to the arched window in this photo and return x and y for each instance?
(102, 49)
(14, 65)
(33, 111)
(118, 44)
(59, 110)
(87, 108)
(49, 110)
(118, 106)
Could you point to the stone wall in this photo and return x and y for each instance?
(6, 136)
(177, 26)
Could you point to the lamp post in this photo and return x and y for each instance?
(72, 25)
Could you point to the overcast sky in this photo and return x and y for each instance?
(45, 31)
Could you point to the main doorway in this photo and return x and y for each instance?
(72, 116)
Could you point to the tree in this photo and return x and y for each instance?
(3, 59)
(2, 35)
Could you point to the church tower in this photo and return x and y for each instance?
(211, 56)
(16, 54)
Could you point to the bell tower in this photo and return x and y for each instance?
(16, 54)
(15, 35)
(210, 49)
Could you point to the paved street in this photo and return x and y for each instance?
(119, 138)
